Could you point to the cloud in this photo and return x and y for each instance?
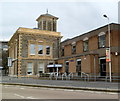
(75, 18)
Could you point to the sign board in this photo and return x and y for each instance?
(71, 60)
(9, 62)
(54, 65)
(107, 55)
(58, 65)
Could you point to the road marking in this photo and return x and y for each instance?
(113, 93)
(22, 88)
(31, 97)
(19, 95)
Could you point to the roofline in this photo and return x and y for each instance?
(17, 33)
(47, 16)
(89, 32)
(4, 41)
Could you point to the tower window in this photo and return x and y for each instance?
(54, 25)
(44, 25)
(49, 25)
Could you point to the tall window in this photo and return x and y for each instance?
(32, 49)
(29, 68)
(49, 25)
(44, 25)
(73, 49)
(54, 25)
(40, 49)
(41, 67)
(40, 25)
(85, 46)
(102, 41)
(62, 51)
(47, 50)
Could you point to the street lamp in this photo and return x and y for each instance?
(109, 47)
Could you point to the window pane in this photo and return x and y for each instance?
(41, 67)
(86, 45)
(44, 25)
(62, 52)
(32, 49)
(40, 49)
(47, 50)
(102, 41)
(73, 49)
(49, 25)
(29, 69)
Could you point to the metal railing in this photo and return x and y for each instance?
(70, 75)
(85, 76)
(64, 75)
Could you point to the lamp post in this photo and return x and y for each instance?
(109, 47)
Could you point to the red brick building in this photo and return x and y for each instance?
(87, 52)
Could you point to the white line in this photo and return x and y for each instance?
(22, 88)
(19, 95)
(113, 93)
(31, 97)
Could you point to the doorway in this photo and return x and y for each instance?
(67, 67)
(78, 67)
(102, 66)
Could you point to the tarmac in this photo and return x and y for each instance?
(63, 84)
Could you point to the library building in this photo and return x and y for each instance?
(40, 50)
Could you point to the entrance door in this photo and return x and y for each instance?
(102, 67)
(67, 67)
(78, 67)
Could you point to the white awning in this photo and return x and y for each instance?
(54, 65)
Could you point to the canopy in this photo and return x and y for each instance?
(54, 65)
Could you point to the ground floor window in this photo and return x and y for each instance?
(29, 68)
(41, 67)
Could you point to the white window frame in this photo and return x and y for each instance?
(49, 49)
(42, 49)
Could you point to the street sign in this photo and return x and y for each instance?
(108, 55)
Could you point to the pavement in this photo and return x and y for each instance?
(63, 84)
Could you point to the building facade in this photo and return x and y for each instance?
(3, 57)
(38, 50)
(32, 49)
(87, 53)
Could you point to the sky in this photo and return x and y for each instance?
(76, 17)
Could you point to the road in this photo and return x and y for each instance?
(24, 92)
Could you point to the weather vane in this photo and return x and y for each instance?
(47, 11)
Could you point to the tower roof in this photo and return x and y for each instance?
(46, 15)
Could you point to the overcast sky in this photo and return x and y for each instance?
(75, 18)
